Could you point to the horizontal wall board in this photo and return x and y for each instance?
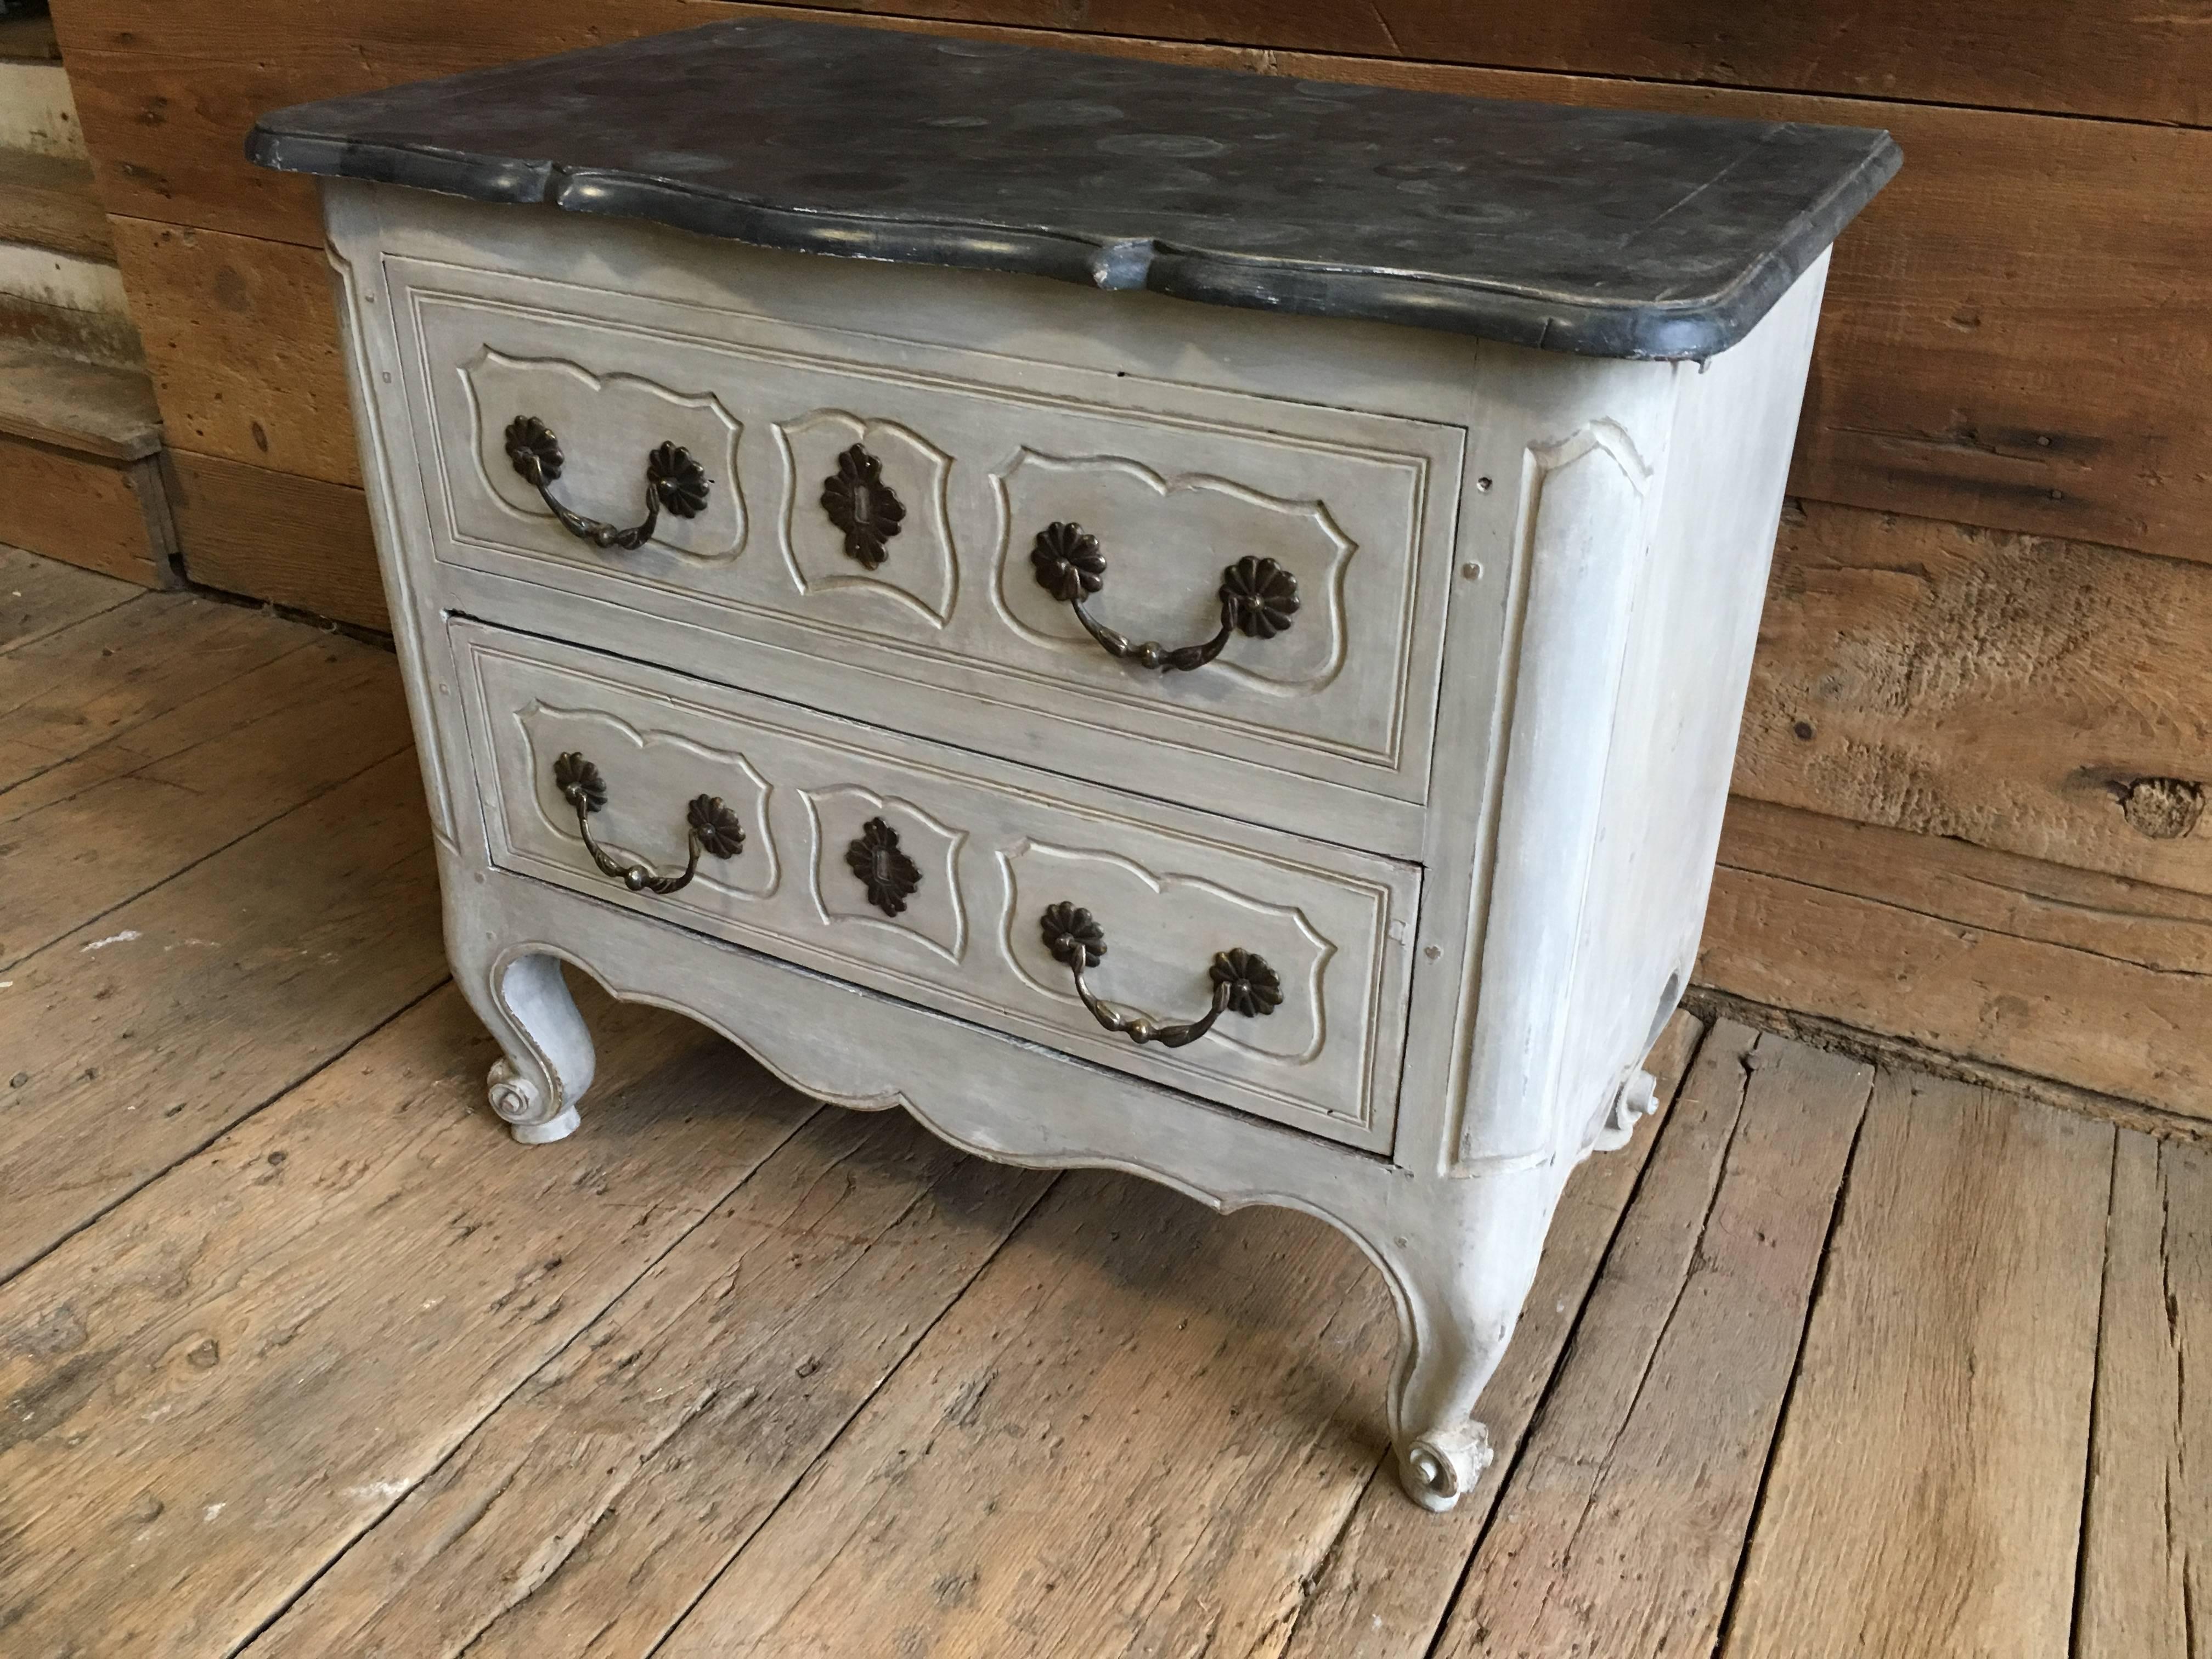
(2016, 333)
(92, 407)
(30, 324)
(48, 201)
(2092, 981)
(2045, 697)
(82, 511)
(2144, 62)
(242, 335)
(292, 541)
(35, 111)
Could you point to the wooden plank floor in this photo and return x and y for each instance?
(301, 1355)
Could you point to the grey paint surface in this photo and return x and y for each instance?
(1607, 233)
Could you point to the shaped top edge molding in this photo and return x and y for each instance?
(1605, 232)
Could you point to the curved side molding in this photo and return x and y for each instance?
(1583, 543)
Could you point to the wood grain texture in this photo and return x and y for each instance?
(242, 338)
(149, 1031)
(112, 823)
(585, 1514)
(1383, 1585)
(168, 93)
(1925, 1494)
(82, 686)
(94, 409)
(1213, 1378)
(2146, 1546)
(208, 1395)
(28, 40)
(278, 536)
(361, 1376)
(2007, 338)
(2044, 698)
(2095, 981)
(40, 596)
(82, 510)
(1132, 1400)
(2099, 59)
(1658, 1426)
(48, 201)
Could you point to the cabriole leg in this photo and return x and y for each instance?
(546, 1058)
(1459, 1300)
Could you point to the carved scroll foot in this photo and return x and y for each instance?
(546, 1057)
(1439, 1469)
(522, 1104)
(1461, 1258)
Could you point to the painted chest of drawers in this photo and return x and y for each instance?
(1152, 618)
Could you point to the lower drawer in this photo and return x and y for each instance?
(930, 873)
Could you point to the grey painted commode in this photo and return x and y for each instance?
(1181, 621)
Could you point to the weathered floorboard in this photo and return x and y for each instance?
(585, 1513)
(357, 1376)
(131, 1042)
(1134, 1396)
(224, 1382)
(89, 682)
(1620, 1530)
(2147, 1548)
(102, 828)
(1383, 1585)
(1925, 1494)
(40, 595)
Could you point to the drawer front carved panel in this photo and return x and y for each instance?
(1165, 541)
(648, 776)
(1038, 873)
(888, 863)
(989, 848)
(912, 544)
(607, 427)
(955, 461)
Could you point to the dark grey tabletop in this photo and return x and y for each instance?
(1609, 232)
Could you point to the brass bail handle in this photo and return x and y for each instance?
(1259, 598)
(713, 827)
(1243, 983)
(674, 481)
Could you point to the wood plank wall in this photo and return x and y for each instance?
(1968, 800)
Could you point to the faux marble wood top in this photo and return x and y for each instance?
(1605, 232)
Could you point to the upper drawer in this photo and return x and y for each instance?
(877, 505)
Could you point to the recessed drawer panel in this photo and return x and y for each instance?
(867, 504)
(932, 874)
